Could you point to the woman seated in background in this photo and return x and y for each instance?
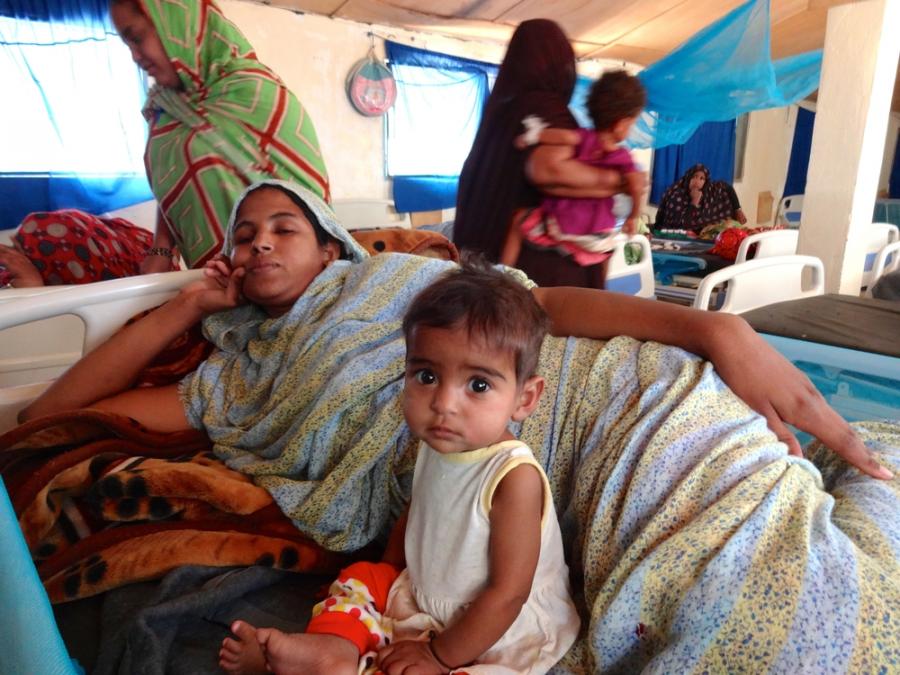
(697, 540)
(219, 120)
(694, 201)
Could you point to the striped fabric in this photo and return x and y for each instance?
(232, 123)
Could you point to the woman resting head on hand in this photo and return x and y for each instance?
(646, 451)
(277, 253)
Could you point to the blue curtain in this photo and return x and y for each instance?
(723, 71)
(431, 126)
(74, 137)
(795, 184)
(81, 11)
(712, 145)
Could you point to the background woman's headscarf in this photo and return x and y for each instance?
(677, 211)
(537, 77)
(233, 123)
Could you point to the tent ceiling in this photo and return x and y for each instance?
(640, 31)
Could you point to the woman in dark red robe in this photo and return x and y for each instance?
(537, 77)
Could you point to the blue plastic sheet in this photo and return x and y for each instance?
(29, 642)
(725, 70)
(424, 193)
(895, 174)
(85, 11)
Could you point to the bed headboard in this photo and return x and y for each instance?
(44, 330)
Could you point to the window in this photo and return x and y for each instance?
(76, 99)
(72, 116)
(434, 121)
(432, 124)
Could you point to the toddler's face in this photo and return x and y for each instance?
(460, 394)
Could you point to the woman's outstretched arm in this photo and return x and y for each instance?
(103, 378)
(162, 240)
(753, 369)
(554, 170)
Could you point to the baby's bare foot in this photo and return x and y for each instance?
(307, 653)
(242, 656)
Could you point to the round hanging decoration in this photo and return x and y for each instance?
(370, 86)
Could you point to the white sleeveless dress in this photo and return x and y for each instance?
(447, 538)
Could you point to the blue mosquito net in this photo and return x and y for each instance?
(723, 71)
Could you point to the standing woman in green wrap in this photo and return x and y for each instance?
(219, 121)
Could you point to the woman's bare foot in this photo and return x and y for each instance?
(307, 653)
(242, 656)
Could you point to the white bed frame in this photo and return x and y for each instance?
(763, 281)
(634, 279)
(73, 320)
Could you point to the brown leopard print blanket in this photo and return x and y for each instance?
(103, 502)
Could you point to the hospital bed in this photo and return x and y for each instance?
(84, 316)
(103, 307)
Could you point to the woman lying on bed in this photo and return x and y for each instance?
(696, 539)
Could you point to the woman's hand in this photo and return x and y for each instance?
(772, 386)
(219, 289)
(19, 270)
(409, 657)
(753, 369)
(554, 170)
(630, 226)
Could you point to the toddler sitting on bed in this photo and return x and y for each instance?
(584, 227)
(485, 580)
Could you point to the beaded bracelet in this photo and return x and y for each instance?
(159, 250)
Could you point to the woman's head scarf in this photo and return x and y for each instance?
(537, 77)
(715, 205)
(323, 217)
(232, 123)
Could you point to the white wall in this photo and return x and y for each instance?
(313, 55)
(769, 137)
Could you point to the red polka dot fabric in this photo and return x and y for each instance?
(74, 247)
